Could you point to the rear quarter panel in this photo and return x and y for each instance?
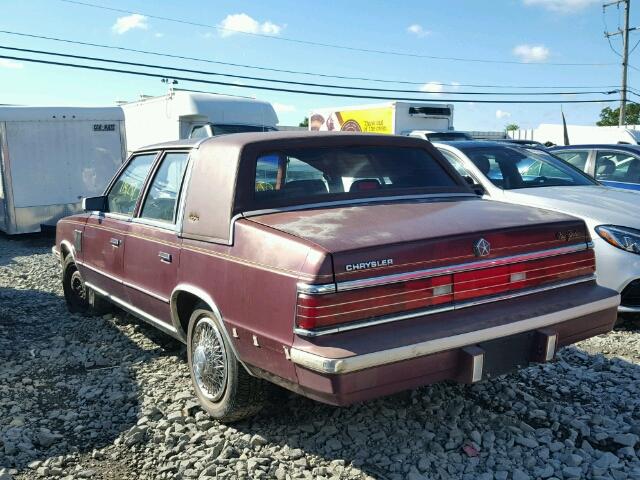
(253, 283)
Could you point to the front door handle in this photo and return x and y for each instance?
(165, 257)
(115, 242)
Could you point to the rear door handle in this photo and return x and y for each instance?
(115, 242)
(165, 257)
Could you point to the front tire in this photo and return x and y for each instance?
(223, 386)
(78, 297)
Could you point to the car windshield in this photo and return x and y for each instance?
(448, 136)
(512, 168)
(331, 174)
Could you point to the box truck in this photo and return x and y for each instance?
(191, 114)
(399, 118)
(52, 157)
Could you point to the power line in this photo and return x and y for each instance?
(331, 45)
(294, 72)
(291, 82)
(290, 90)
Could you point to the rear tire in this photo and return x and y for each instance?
(79, 298)
(223, 386)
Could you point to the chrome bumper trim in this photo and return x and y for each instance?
(355, 363)
(445, 308)
(625, 309)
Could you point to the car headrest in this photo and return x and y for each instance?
(605, 167)
(482, 163)
(305, 187)
(633, 172)
(365, 184)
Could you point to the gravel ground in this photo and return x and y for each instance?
(86, 397)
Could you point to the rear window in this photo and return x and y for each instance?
(328, 174)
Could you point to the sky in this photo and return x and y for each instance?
(535, 33)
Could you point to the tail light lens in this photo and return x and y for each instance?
(317, 311)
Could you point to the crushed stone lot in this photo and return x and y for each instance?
(91, 397)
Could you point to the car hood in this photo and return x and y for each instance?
(594, 203)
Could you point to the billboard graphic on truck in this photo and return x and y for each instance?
(375, 120)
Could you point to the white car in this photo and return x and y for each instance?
(533, 177)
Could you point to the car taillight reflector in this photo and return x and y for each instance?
(318, 311)
(495, 280)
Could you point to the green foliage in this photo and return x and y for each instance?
(511, 127)
(304, 123)
(609, 116)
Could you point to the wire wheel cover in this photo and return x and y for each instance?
(209, 359)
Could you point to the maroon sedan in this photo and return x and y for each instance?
(340, 266)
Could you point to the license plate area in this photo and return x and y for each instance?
(503, 355)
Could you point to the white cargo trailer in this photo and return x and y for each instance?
(51, 157)
(399, 118)
(188, 114)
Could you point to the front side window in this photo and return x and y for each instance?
(161, 201)
(322, 174)
(577, 158)
(513, 168)
(617, 167)
(123, 196)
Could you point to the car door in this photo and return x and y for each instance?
(104, 235)
(618, 168)
(152, 255)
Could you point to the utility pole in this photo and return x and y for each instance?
(625, 53)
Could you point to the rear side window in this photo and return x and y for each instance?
(321, 174)
(161, 201)
(123, 196)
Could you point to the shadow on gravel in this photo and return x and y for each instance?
(24, 242)
(66, 385)
(578, 404)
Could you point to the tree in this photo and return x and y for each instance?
(512, 127)
(304, 123)
(609, 116)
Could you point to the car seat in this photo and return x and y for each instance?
(633, 172)
(605, 167)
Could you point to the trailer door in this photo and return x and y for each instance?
(58, 162)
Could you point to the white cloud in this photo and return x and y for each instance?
(531, 53)
(6, 63)
(432, 87)
(418, 30)
(243, 23)
(283, 108)
(562, 6)
(501, 114)
(158, 35)
(130, 22)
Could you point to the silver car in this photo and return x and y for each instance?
(533, 177)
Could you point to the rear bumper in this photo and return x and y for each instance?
(344, 370)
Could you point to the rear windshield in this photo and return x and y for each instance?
(329, 174)
(448, 136)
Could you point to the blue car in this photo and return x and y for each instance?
(612, 165)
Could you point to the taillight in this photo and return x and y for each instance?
(495, 280)
(318, 311)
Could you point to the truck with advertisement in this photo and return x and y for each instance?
(399, 118)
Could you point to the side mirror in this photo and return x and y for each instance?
(479, 189)
(94, 204)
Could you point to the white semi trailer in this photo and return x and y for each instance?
(52, 157)
(189, 114)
